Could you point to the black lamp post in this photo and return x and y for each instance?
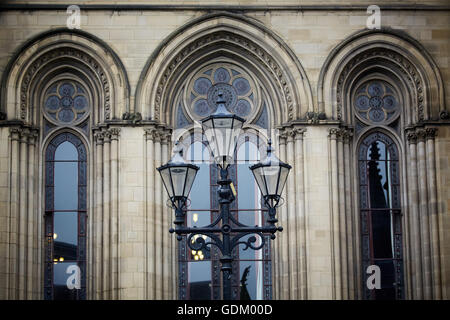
(222, 131)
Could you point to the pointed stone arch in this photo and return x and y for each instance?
(393, 51)
(64, 51)
(238, 38)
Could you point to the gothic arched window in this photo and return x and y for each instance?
(65, 218)
(200, 275)
(380, 212)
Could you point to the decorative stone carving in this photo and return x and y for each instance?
(376, 102)
(66, 102)
(405, 66)
(254, 50)
(444, 115)
(114, 133)
(315, 117)
(58, 53)
(237, 86)
(132, 117)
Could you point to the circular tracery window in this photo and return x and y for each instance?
(376, 102)
(66, 102)
(237, 87)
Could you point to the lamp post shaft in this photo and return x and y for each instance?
(225, 198)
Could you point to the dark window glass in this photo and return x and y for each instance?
(203, 267)
(65, 219)
(380, 214)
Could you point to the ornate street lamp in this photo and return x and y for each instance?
(222, 131)
(271, 175)
(178, 176)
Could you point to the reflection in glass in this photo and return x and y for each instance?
(66, 185)
(199, 279)
(66, 151)
(65, 242)
(251, 279)
(380, 223)
(60, 277)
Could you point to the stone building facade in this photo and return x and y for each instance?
(336, 97)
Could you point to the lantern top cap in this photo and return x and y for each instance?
(271, 159)
(177, 159)
(220, 102)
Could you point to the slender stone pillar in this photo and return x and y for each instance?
(13, 214)
(98, 215)
(433, 213)
(416, 266)
(334, 223)
(301, 215)
(342, 217)
(291, 222)
(283, 253)
(150, 215)
(158, 237)
(32, 238)
(23, 156)
(114, 234)
(424, 218)
(350, 230)
(106, 265)
(166, 236)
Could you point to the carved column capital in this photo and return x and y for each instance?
(148, 133)
(299, 132)
(15, 133)
(347, 135)
(282, 137)
(411, 136)
(99, 137)
(114, 133)
(421, 134)
(431, 133)
(333, 133)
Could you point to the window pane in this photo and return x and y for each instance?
(60, 277)
(66, 185)
(66, 151)
(248, 195)
(200, 195)
(251, 285)
(199, 278)
(198, 218)
(382, 234)
(65, 236)
(387, 272)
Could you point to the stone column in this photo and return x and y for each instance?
(290, 226)
(350, 230)
(114, 234)
(158, 237)
(416, 253)
(433, 213)
(166, 236)
(98, 215)
(106, 266)
(282, 250)
(23, 156)
(301, 215)
(32, 237)
(21, 224)
(11, 255)
(150, 271)
(334, 223)
(342, 216)
(424, 218)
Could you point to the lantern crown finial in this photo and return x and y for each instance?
(220, 102)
